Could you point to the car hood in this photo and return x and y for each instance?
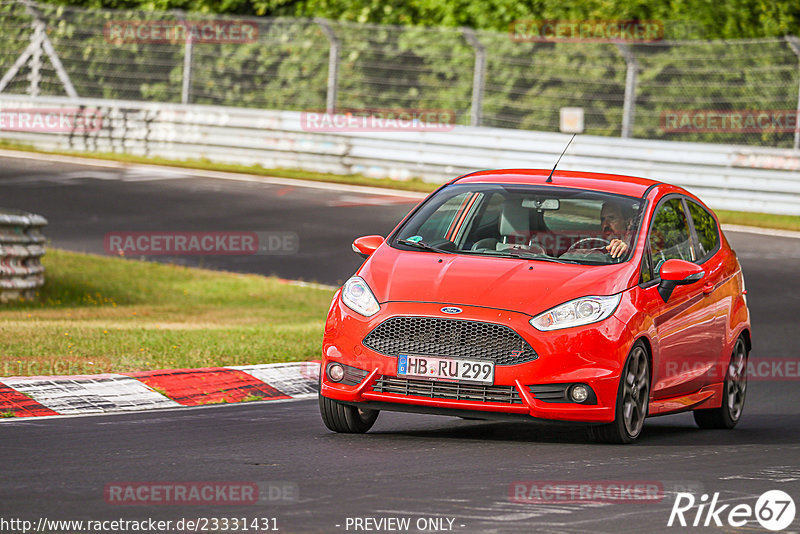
(526, 286)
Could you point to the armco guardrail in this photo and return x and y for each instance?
(21, 250)
(725, 176)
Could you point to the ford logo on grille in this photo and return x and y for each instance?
(451, 310)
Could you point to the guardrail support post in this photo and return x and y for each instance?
(794, 44)
(478, 76)
(333, 64)
(629, 104)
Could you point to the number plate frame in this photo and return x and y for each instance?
(465, 369)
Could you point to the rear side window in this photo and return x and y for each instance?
(706, 229)
(669, 234)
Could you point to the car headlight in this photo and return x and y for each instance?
(357, 296)
(578, 312)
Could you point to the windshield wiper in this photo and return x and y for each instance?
(424, 246)
(509, 253)
(514, 253)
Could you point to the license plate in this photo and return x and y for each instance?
(446, 368)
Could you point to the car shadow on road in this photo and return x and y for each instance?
(677, 431)
(752, 430)
(467, 430)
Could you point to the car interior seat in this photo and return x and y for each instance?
(515, 225)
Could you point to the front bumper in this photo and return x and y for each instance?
(591, 355)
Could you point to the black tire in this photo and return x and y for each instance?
(734, 393)
(633, 397)
(344, 418)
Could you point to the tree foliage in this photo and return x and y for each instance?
(421, 67)
(729, 19)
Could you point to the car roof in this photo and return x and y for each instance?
(591, 181)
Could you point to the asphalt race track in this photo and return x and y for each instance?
(410, 466)
(83, 204)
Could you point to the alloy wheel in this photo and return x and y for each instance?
(636, 391)
(736, 385)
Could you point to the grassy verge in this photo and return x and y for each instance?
(763, 220)
(98, 314)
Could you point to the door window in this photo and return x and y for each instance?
(669, 234)
(706, 229)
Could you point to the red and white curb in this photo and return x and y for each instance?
(146, 390)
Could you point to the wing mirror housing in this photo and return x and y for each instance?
(675, 273)
(366, 245)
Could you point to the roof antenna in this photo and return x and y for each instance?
(550, 178)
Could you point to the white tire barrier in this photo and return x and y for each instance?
(21, 250)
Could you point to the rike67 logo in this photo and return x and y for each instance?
(774, 510)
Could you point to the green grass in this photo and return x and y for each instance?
(252, 398)
(763, 220)
(99, 314)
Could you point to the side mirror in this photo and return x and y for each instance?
(677, 273)
(364, 246)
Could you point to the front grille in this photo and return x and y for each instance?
(450, 337)
(447, 390)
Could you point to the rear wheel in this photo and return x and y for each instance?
(344, 418)
(734, 391)
(633, 397)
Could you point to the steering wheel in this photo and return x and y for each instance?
(586, 244)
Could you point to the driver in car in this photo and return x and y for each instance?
(616, 226)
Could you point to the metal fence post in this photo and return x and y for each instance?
(794, 44)
(47, 46)
(18, 64)
(629, 104)
(35, 75)
(186, 89)
(478, 76)
(333, 64)
(188, 46)
(39, 42)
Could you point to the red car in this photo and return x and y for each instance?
(577, 297)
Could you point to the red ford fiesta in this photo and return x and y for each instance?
(579, 297)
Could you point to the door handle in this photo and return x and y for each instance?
(708, 287)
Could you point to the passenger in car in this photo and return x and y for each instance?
(616, 223)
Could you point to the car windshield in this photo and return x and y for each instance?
(523, 221)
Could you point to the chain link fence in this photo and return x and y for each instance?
(486, 78)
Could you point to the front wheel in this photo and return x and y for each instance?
(633, 397)
(735, 388)
(344, 418)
